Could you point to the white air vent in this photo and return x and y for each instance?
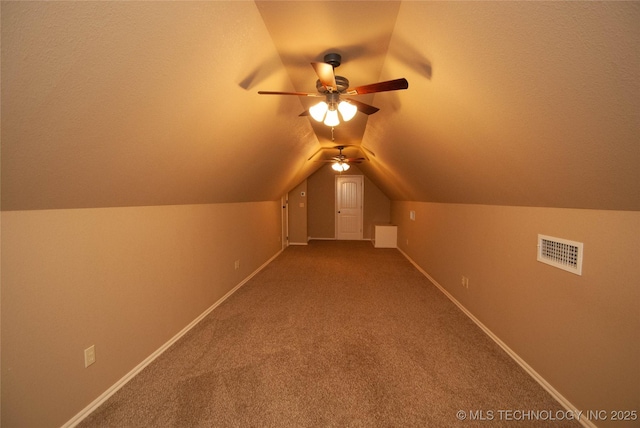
(561, 253)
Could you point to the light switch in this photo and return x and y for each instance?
(89, 356)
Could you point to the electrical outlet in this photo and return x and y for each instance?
(89, 356)
(237, 264)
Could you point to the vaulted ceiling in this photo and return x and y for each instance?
(109, 104)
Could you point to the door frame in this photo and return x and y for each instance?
(284, 238)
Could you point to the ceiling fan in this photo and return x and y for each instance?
(341, 162)
(332, 87)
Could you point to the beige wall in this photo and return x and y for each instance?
(377, 207)
(298, 208)
(580, 333)
(322, 203)
(126, 280)
(321, 196)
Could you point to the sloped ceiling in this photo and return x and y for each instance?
(152, 103)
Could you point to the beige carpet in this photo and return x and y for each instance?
(333, 334)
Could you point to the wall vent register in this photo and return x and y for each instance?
(561, 253)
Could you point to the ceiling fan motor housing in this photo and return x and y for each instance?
(334, 59)
(342, 83)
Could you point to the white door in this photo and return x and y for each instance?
(349, 207)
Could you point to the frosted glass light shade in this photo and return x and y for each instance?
(318, 111)
(339, 166)
(347, 110)
(332, 118)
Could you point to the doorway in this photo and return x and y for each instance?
(349, 197)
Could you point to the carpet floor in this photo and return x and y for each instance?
(333, 334)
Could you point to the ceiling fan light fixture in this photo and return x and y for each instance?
(340, 166)
(332, 118)
(318, 111)
(332, 86)
(347, 110)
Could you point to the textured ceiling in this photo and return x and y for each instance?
(154, 103)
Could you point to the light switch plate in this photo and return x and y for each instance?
(89, 356)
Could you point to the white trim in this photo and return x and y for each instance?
(334, 239)
(535, 375)
(123, 381)
(298, 243)
(284, 221)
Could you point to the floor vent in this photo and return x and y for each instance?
(561, 253)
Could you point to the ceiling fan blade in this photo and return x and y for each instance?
(326, 75)
(342, 161)
(305, 113)
(356, 160)
(300, 94)
(364, 108)
(389, 85)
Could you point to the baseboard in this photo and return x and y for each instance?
(522, 363)
(122, 382)
(298, 243)
(334, 239)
